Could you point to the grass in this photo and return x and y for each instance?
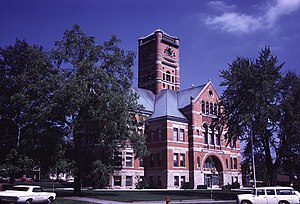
(66, 201)
(151, 195)
(135, 195)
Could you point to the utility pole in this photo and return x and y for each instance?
(253, 158)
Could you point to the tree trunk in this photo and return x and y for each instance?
(269, 163)
(77, 183)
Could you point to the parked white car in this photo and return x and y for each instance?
(269, 195)
(26, 194)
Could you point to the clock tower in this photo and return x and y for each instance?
(158, 66)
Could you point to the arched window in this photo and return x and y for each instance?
(207, 108)
(218, 135)
(168, 76)
(211, 108)
(205, 133)
(203, 107)
(209, 163)
(215, 109)
(211, 138)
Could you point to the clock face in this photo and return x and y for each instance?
(147, 52)
(169, 51)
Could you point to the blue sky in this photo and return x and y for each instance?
(212, 33)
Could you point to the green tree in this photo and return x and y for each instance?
(26, 89)
(289, 145)
(95, 101)
(250, 103)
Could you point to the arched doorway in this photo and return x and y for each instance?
(213, 172)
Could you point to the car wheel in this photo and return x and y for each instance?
(246, 202)
(28, 202)
(283, 202)
(49, 200)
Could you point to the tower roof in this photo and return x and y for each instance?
(166, 106)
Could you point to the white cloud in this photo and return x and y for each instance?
(282, 7)
(221, 6)
(234, 22)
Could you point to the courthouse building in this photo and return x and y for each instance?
(185, 141)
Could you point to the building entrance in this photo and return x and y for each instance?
(213, 172)
(212, 180)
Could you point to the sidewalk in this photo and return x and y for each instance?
(93, 200)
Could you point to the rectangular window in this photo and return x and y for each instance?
(141, 163)
(129, 181)
(226, 163)
(182, 180)
(203, 107)
(182, 159)
(198, 162)
(159, 135)
(211, 109)
(231, 165)
(151, 136)
(215, 109)
(175, 158)
(159, 160)
(270, 191)
(207, 107)
(211, 138)
(117, 180)
(151, 181)
(205, 137)
(118, 159)
(129, 159)
(175, 134)
(176, 180)
(159, 181)
(260, 191)
(151, 160)
(218, 141)
(181, 135)
(235, 163)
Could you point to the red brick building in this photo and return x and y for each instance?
(185, 143)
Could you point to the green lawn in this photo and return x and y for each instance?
(66, 201)
(151, 195)
(135, 195)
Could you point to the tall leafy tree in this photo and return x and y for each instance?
(250, 103)
(26, 89)
(94, 101)
(289, 145)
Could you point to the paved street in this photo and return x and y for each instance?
(93, 200)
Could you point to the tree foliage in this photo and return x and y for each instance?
(250, 101)
(69, 109)
(26, 88)
(254, 107)
(289, 134)
(95, 99)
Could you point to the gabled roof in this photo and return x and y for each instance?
(184, 96)
(167, 103)
(146, 98)
(166, 106)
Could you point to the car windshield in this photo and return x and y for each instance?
(19, 188)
